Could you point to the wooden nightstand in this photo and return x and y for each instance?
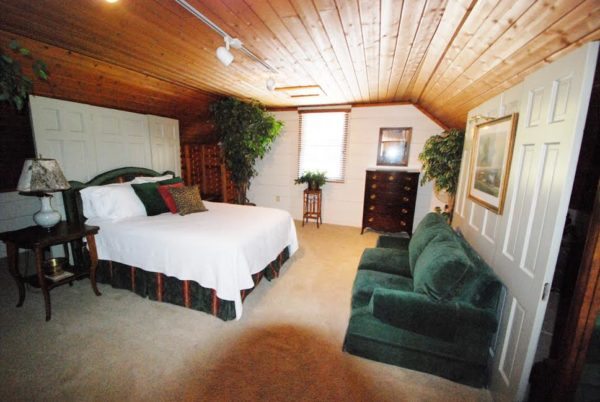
(37, 239)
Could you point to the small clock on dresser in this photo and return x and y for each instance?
(390, 197)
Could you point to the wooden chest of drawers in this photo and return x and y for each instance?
(390, 200)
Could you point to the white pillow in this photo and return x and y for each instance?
(113, 201)
(150, 179)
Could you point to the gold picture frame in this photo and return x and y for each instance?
(491, 155)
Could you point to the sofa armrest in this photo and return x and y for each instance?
(417, 313)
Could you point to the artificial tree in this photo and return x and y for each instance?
(441, 157)
(246, 131)
(15, 86)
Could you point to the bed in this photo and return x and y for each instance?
(208, 261)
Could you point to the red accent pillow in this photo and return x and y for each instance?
(167, 197)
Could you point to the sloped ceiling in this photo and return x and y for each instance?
(444, 56)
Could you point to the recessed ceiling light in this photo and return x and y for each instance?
(302, 91)
(111, 1)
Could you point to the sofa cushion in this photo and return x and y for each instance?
(396, 242)
(430, 219)
(421, 238)
(441, 269)
(482, 287)
(389, 260)
(367, 281)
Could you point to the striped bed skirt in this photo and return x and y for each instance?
(168, 289)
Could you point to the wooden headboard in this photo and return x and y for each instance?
(72, 198)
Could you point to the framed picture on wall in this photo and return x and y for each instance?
(491, 153)
(394, 143)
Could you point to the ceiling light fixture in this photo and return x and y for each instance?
(271, 84)
(223, 53)
(224, 34)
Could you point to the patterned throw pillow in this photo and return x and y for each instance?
(187, 199)
(167, 197)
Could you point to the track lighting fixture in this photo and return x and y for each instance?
(224, 54)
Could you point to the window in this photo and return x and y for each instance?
(323, 135)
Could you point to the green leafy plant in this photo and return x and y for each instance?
(15, 86)
(441, 158)
(246, 131)
(314, 179)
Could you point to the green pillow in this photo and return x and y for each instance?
(151, 198)
(421, 239)
(441, 269)
(174, 180)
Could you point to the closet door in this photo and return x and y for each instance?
(164, 141)
(63, 131)
(121, 139)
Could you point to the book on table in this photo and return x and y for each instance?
(60, 276)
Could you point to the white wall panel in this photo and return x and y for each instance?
(342, 202)
(164, 142)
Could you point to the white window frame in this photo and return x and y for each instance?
(343, 147)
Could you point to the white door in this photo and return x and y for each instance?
(63, 131)
(121, 139)
(552, 116)
(164, 141)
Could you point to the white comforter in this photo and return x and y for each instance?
(220, 249)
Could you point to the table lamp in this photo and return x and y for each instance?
(41, 177)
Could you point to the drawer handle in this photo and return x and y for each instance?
(373, 196)
(407, 188)
(372, 208)
(370, 219)
(402, 223)
(373, 186)
(406, 199)
(374, 177)
(409, 178)
(404, 210)
(391, 177)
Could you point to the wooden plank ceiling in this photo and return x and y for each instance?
(445, 56)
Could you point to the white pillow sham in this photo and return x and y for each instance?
(113, 201)
(150, 179)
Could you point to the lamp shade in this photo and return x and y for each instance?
(43, 176)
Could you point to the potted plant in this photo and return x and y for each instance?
(441, 158)
(315, 179)
(246, 131)
(14, 85)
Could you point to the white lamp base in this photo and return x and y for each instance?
(46, 217)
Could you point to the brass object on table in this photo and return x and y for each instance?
(54, 266)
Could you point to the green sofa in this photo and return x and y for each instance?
(429, 304)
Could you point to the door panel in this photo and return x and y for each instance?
(522, 244)
(539, 188)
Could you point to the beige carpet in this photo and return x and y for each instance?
(286, 347)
